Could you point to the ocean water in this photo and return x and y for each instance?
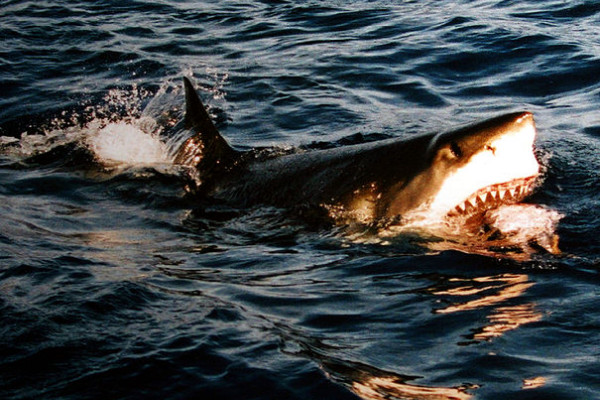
(114, 284)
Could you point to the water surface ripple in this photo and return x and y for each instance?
(113, 284)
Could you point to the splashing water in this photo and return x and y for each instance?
(117, 131)
(524, 217)
(120, 133)
(516, 231)
(125, 142)
(527, 223)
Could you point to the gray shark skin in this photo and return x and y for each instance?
(458, 173)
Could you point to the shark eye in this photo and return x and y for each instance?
(455, 149)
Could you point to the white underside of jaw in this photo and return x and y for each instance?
(509, 158)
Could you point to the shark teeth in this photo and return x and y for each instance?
(494, 196)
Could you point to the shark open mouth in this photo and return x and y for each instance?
(494, 196)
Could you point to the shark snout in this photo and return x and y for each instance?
(524, 117)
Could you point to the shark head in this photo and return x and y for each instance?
(470, 170)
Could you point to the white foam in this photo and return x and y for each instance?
(125, 142)
(524, 219)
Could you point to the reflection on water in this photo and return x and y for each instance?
(374, 384)
(494, 290)
(500, 296)
(490, 291)
(504, 319)
(497, 292)
(382, 388)
(365, 380)
(534, 383)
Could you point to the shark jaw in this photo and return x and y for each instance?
(494, 196)
(503, 171)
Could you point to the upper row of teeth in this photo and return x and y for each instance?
(494, 195)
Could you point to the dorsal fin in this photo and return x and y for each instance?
(206, 150)
(195, 112)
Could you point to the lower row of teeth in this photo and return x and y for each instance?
(493, 197)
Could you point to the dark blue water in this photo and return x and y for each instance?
(114, 285)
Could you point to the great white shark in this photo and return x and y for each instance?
(453, 175)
